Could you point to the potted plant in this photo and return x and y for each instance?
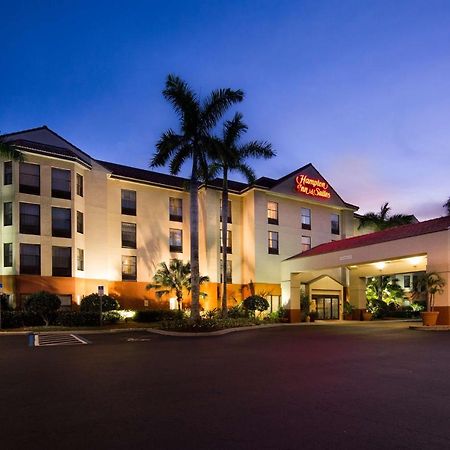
(431, 283)
(312, 316)
(368, 313)
(348, 310)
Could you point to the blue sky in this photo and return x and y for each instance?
(359, 88)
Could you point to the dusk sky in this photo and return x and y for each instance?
(359, 88)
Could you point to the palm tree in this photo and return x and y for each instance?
(228, 155)
(446, 205)
(174, 277)
(383, 220)
(197, 119)
(431, 283)
(8, 151)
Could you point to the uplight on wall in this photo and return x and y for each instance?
(415, 261)
(380, 265)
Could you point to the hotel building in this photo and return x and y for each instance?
(71, 222)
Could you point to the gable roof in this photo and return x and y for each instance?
(391, 234)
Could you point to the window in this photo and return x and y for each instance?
(176, 240)
(229, 242)
(80, 222)
(229, 271)
(7, 255)
(128, 235)
(273, 242)
(66, 301)
(30, 218)
(306, 243)
(335, 229)
(306, 219)
(61, 183)
(80, 190)
(80, 259)
(129, 268)
(272, 213)
(7, 214)
(128, 202)
(176, 209)
(229, 211)
(7, 173)
(30, 259)
(29, 178)
(407, 281)
(61, 222)
(61, 261)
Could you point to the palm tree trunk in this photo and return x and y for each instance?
(224, 213)
(195, 265)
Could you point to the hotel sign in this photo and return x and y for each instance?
(313, 187)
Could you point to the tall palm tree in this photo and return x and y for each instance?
(229, 155)
(446, 205)
(197, 119)
(174, 277)
(8, 151)
(383, 219)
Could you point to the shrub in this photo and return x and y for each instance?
(255, 303)
(86, 318)
(43, 304)
(207, 324)
(237, 312)
(157, 315)
(5, 305)
(91, 303)
(20, 319)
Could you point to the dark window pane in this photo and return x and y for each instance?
(272, 213)
(335, 229)
(30, 259)
(61, 222)
(80, 187)
(61, 261)
(80, 259)
(229, 242)
(273, 242)
(61, 183)
(80, 222)
(306, 218)
(7, 255)
(7, 173)
(29, 178)
(176, 240)
(229, 212)
(128, 202)
(128, 235)
(7, 213)
(30, 218)
(176, 209)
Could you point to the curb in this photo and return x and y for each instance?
(430, 328)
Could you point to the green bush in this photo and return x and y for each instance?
(86, 318)
(91, 303)
(20, 319)
(157, 315)
(5, 305)
(206, 324)
(237, 312)
(43, 304)
(255, 303)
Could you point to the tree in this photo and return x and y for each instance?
(229, 155)
(174, 277)
(431, 283)
(8, 151)
(43, 304)
(446, 205)
(91, 303)
(383, 220)
(197, 119)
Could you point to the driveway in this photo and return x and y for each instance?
(309, 387)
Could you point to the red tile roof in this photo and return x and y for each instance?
(392, 234)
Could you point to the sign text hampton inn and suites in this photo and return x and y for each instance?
(312, 186)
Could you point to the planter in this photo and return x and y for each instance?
(348, 316)
(366, 316)
(429, 318)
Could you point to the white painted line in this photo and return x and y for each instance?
(79, 339)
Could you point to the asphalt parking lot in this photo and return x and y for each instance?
(310, 387)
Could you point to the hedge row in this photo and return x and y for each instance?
(157, 315)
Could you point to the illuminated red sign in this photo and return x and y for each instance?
(312, 186)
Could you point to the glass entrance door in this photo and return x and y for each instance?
(327, 307)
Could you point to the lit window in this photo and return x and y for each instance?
(7, 173)
(29, 178)
(30, 259)
(229, 274)
(80, 222)
(129, 272)
(229, 242)
(80, 259)
(229, 211)
(61, 222)
(272, 213)
(175, 240)
(335, 229)
(7, 214)
(306, 219)
(7, 255)
(30, 218)
(128, 202)
(80, 187)
(176, 209)
(61, 261)
(407, 281)
(306, 243)
(273, 242)
(128, 235)
(61, 183)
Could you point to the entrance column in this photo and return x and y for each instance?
(294, 300)
(357, 295)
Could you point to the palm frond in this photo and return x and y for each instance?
(179, 159)
(167, 145)
(245, 170)
(257, 149)
(215, 105)
(233, 129)
(10, 152)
